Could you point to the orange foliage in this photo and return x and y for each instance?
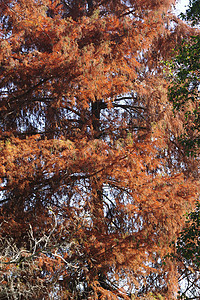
(94, 184)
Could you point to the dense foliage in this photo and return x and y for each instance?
(184, 93)
(188, 242)
(187, 254)
(94, 181)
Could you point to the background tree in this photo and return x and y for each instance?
(93, 182)
(188, 254)
(184, 94)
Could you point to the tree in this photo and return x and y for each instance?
(184, 92)
(188, 254)
(93, 184)
(192, 13)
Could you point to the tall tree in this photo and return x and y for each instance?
(93, 186)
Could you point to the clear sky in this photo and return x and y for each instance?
(181, 6)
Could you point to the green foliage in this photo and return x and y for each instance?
(193, 12)
(184, 94)
(186, 251)
(186, 65)
(188, 243)
(184, 90)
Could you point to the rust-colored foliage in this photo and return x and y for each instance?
(93, 182)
